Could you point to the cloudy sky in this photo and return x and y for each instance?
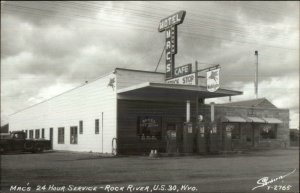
(50, 47)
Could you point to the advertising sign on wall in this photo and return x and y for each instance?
(149, 127)
(213, 80)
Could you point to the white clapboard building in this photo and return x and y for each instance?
(83, 118)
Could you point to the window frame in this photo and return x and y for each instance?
(43, 133)
(31, 134)
(60, 139)
(236, 131)
(271, 132)
(144, 131)
(37, 134)
(80, 127)
(72, 133)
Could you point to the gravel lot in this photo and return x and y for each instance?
(220, 173)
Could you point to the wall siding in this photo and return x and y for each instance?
(126, 78)
(84, 103)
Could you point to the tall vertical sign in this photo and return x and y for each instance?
(169, 25)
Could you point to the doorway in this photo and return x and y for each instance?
(178, 128)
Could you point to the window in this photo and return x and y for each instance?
(149, 127)
(97, 126)
(43, 133)
(73, 135)
(268, 131)
(61, 135)
(26, 134)
(236, 131)
(31, 134)
(37, 133)
(80, 127)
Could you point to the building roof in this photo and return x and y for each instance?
(136, 70)
(261, 102)
(233, 119)
(165, 91)
(272, 120)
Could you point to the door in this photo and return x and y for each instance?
(177, 128)
(227, 141)
(171, 138)
(247, 135)
(51, 138)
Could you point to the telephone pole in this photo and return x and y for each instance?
(256, 74)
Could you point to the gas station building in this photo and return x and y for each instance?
(133, 111)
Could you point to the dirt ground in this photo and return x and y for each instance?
(89, 172)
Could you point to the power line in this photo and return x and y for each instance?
(147, 27)
(160, 58)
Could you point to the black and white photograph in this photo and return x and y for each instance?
(149, 96)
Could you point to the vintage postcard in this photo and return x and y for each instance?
(149, 96)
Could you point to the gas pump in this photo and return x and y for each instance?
(227, 137)
(201, 137)
(187, 134)
(171, 142)
(188, 138)
(213, 138)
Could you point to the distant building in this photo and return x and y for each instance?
(4, 128)
(294, 137)
(133, 111)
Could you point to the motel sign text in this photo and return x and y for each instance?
(169, 25)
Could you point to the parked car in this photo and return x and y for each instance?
(16, 142)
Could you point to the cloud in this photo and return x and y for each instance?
(47, 44)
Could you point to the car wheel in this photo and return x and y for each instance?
(28, 145)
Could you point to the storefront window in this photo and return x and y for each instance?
(149, 128)
(268, 132)
(235, 130)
